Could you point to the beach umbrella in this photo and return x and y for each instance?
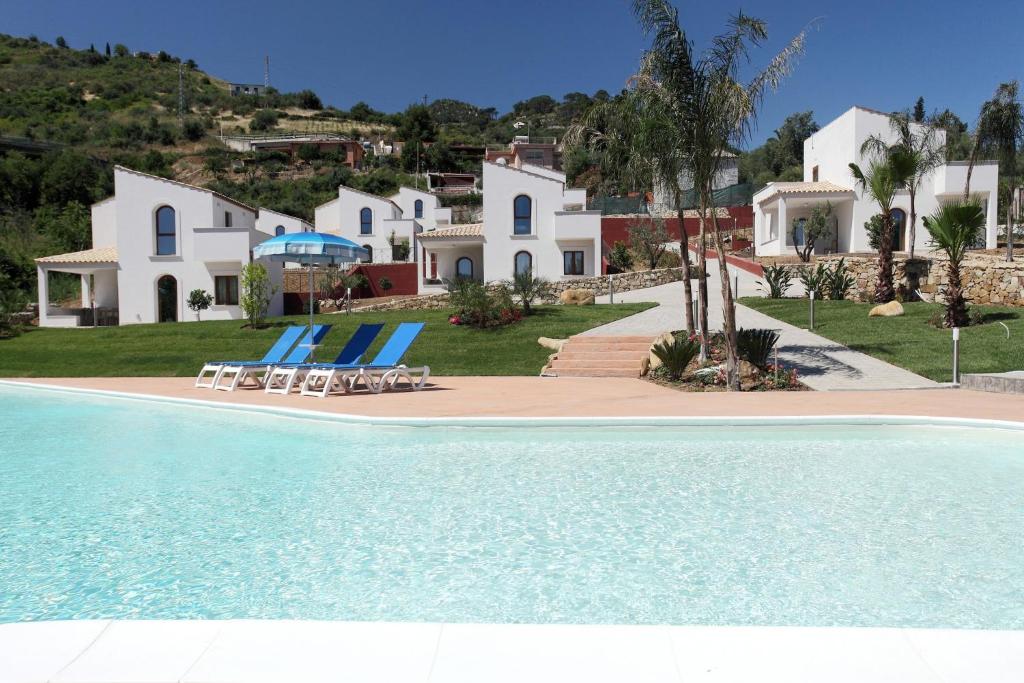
(310, 248)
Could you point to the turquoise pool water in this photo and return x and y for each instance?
(114, 508)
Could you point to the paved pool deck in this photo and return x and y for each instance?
(472, 397)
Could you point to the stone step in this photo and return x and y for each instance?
(593, 372)
(601, 339)
(603, 354)
(593, 363)
(638, 349)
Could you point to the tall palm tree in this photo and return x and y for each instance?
(921, 142)
(954, 227)
(1004, 127)
(713, 110)
(639, 139)
(885, 176)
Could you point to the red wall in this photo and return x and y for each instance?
(615, 228)
(402, 276)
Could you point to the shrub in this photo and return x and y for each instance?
(777, 280)
(473, 304)
(256, 292)
(192, 129)
(264, 119)
(676, 355)
(838, 281)
(199, 300)
(813, 279)
(620, 257)
(385, 284)
(529, 288)
(649, 239)
(12, 302)
(755, 345)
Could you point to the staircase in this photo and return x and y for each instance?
(598, 356)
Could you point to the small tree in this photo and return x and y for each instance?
(256, 292)
(264, 119)
(385, 284)
(60, 42)
(650, 239)
(199, 300)
(530, 288)
(620, 257)
(954, 227)
(817, 227)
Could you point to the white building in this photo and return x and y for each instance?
(828, 179)
(727, 175)
(386, 227)
(531, 221)
(155, 241)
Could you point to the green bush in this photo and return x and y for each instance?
(755, 346)
(529, 288)
(777, 280)
(813, 279)
(838, 281)
(620, 257)
(676, 355)
(264, 119)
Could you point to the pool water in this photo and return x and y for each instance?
(118, 508)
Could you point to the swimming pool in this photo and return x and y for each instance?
(118, 508)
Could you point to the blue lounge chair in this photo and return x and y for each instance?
(235, 375)
(383, 372)
(283, 377)
(275, 354)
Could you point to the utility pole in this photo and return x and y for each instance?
(424, 100)
(266, 71)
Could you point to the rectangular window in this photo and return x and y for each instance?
(573, 262)
(814, 174)
(225, 290)
(227, 219)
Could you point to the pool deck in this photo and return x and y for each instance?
(309, 651)
(581, 397)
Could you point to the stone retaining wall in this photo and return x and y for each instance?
(986, 279)
(598, 286)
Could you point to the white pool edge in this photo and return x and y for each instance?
(593, 421)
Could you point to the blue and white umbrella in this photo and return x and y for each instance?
(310, 248)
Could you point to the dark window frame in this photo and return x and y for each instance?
(163, 234)
(515, 262)
(522, 219)
(366, 221)
(228, 297)
(467, 260)
(572, 258)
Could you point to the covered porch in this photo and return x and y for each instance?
(97, 269)
(782, 209)
(448, 253)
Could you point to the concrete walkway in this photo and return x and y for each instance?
(822, 364)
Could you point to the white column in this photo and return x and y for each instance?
(783, 224)
(992, 231)
(44, 294)
(86, 298)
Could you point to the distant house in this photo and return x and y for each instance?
(543, 152)
(155, 241)
(290, 144)
(451, 183)
(237, 89)
(781, 208)
(727, 175)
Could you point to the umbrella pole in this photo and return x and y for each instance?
(312, 350)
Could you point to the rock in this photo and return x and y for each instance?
(664, 337)
(576, 297)
(889, 310)
(553, 344)
(748, 372)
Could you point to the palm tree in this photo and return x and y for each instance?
(1004, 127)
(885, 176)
(921, 142)
(954, 227)
(638, 138)
(712, 111)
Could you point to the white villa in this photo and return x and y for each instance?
(827, 178)
(154, 241)
(531, 221)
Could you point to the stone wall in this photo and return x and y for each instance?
(598, 286)
(987, 279)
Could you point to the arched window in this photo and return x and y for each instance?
(899, 222)
(417, 208)
(524, 262)
(278, 231)
(522, 215)
(365, 221)
(167, 299)
(166, 232)
(369, 253)
(464, 267)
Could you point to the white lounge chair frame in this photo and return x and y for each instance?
(232, 377)
(321, 382)
(281, 380)
(216, 369)
(387, 379)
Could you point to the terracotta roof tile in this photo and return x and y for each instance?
(100, 255)
(466, 230)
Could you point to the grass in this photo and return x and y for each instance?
(179, 349)
(908, 340)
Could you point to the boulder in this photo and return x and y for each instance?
(893, 308)
(654, 361)
(576, 297)
(553, 344)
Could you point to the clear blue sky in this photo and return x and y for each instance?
(876, 53)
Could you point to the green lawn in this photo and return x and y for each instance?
(179, 349)
(908, 340)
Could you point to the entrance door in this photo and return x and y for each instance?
(899, 229)
(167, 299)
